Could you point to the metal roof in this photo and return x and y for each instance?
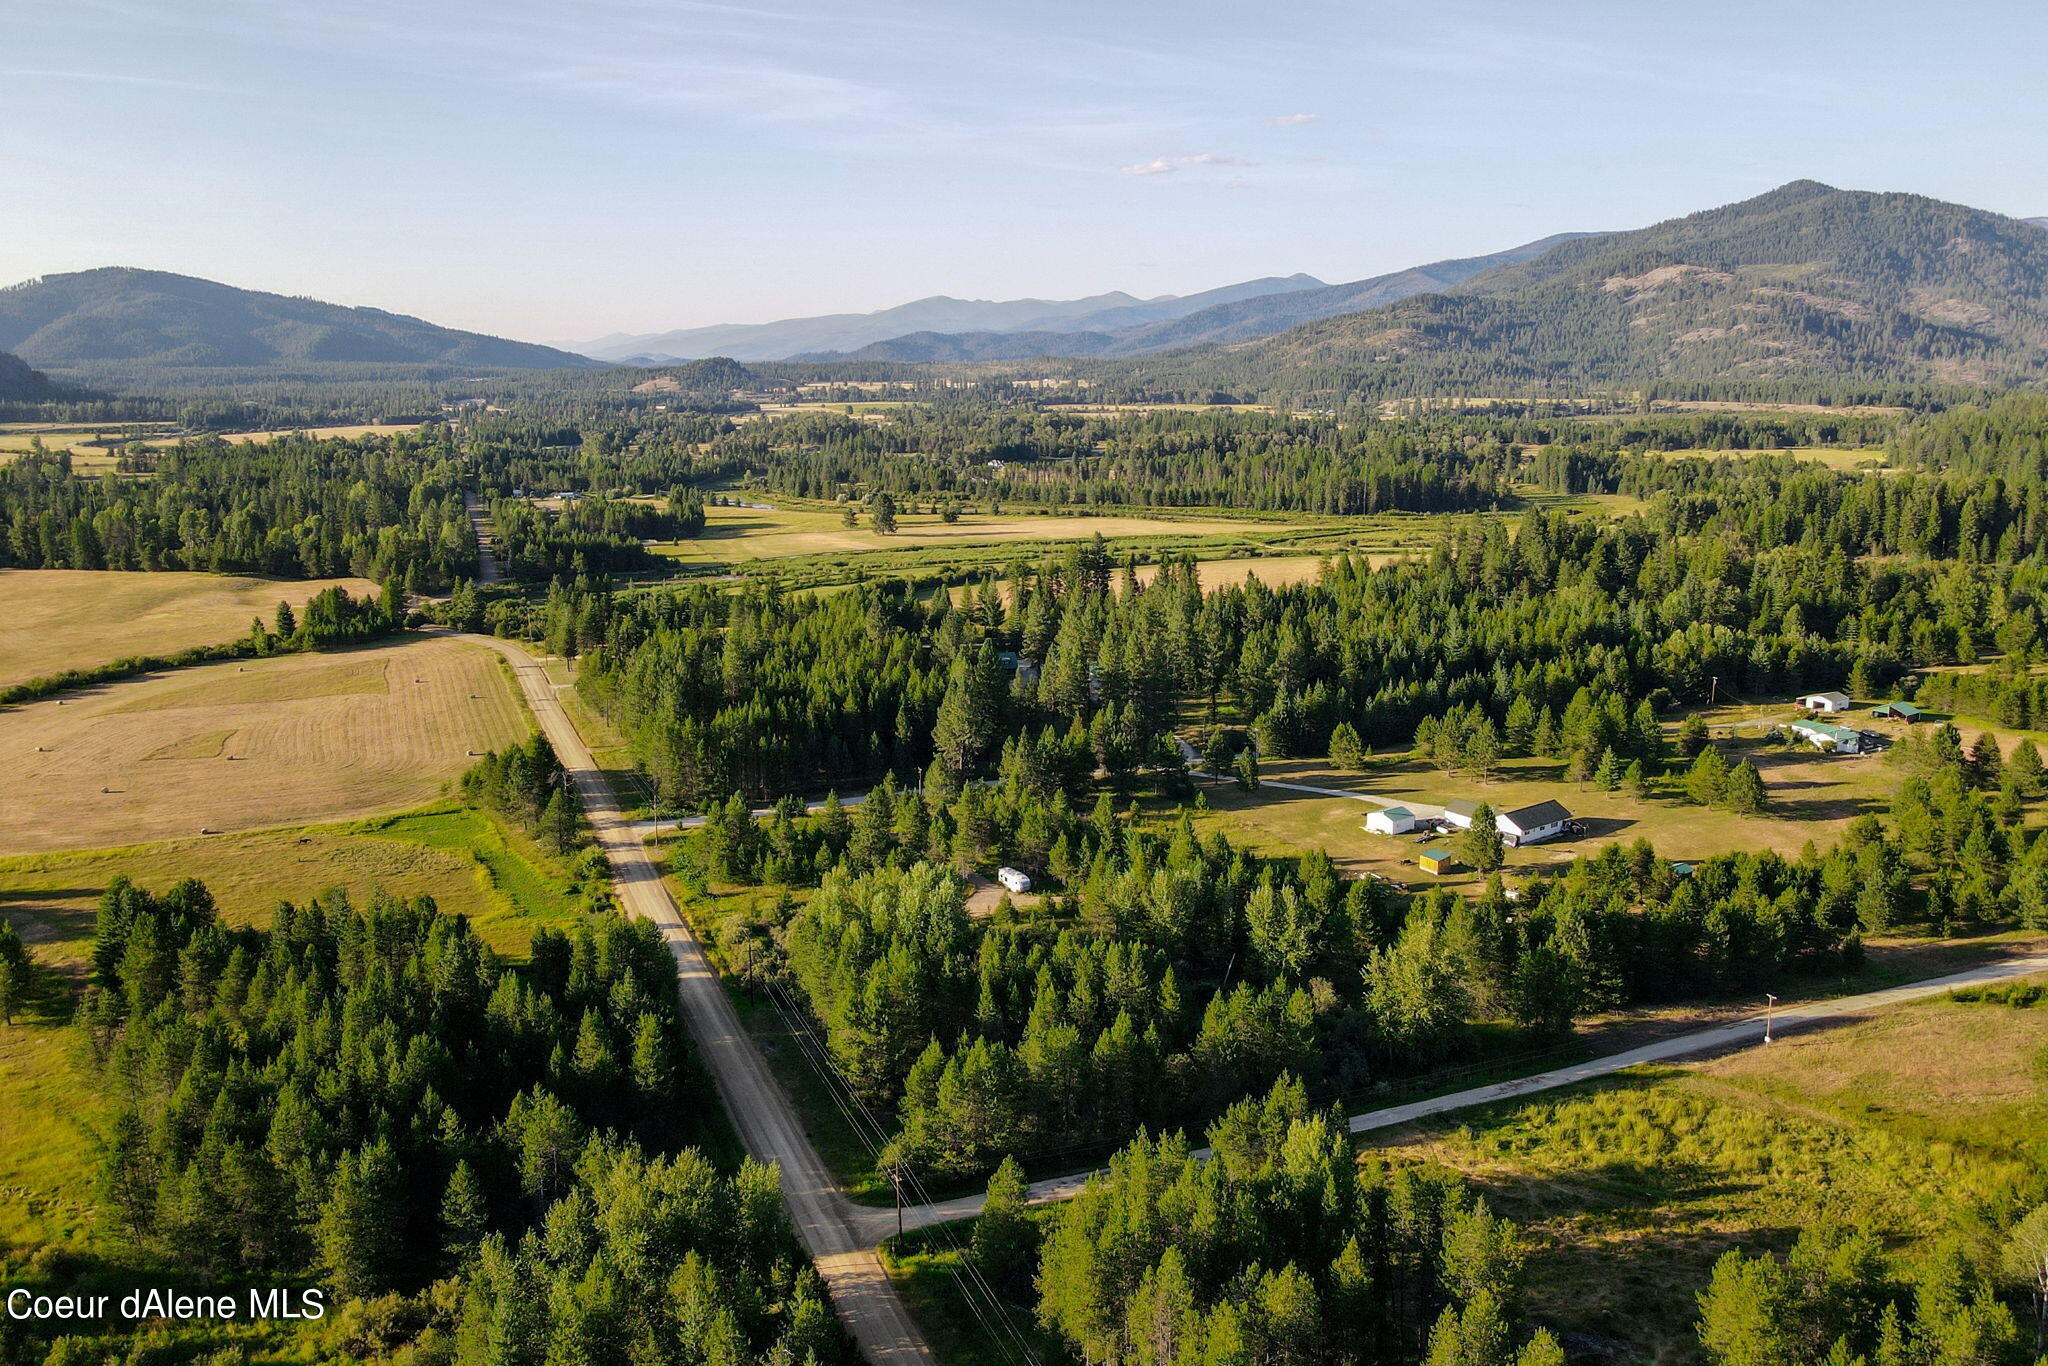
(1536, 814)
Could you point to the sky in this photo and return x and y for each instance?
(557, 170)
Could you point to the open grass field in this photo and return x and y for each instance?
(58, 619)
(1908, 1123)
(469, 862)
(1848, 459)
(310, 737)
(348, 432)
(761, 533)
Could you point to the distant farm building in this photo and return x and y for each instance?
(1533, 824)
(1898, 711)
(1458, 812)
(1829, 739)
(1394, 820)
(1015, 879)
(1437, 859)
(1825, 702)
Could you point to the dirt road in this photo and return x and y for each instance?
(840, 1237)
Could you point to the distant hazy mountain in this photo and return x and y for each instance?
(18, 381)
(835, 333)
(2037, 222)
(136, 319)
(1806, 282)
(1223, 320)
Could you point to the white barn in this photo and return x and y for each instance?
(1392, 820)
(1458, 813)
(1829, 702)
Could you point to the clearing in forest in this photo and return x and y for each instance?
(309, 737)
(59, 619)
(735, 533)
(1904, 1123)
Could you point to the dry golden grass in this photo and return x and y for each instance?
(58, 619)
(762, 533)
(339, 433)
(314, 737)
(1903, 1122)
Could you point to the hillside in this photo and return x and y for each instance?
(836, 334)
(1806, 282)
(129, 320)
(1222, 321)
(19, 382)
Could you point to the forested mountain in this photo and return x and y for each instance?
(836, 333)
(1224, 321)
(1806, 282)
(127, 319)
(19, 381)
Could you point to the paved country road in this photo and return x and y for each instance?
(840, 1237)
(1739, 1033)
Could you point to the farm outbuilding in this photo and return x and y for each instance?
(1394, 820)
(1898, 711)
(1533, 824)
(1437, 858)
(1829, 739)
(1458, 812)
(1827, 702)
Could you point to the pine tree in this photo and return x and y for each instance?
(1744, 790)
(1346, 752)
(16, 970)
(1706, 782)
(1480, 844)
(1247, 769)
(1005, 1243)
(1607, 776)
(2023, 769)
(1692, 735)
(465, 1217)
(361, 1230)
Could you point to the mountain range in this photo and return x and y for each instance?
(134, 320)
(1807, 282)
(1228, 320)
(835, 334)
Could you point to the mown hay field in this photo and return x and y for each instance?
(761, 533)
(272, 742)
(58, 619)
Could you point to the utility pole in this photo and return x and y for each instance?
(896, 1182)
(1770, 1003)
(1713, 688)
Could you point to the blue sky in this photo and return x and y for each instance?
(559, 169)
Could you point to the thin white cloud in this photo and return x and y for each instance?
(1290, 120)
(115, 78)
(1169, 163)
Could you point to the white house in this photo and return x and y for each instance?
(1825, 702)
(1014, 878)
(1393, 820)
(1829, 739)
(1533, 824)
